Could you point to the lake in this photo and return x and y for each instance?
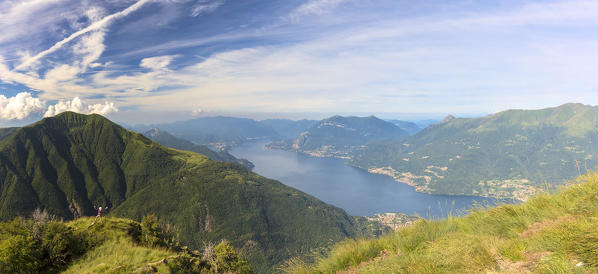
(352, 189)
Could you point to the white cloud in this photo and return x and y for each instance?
(196, 112)
(316, 7)
(24, 105)
(20, 106)
(157, 63)
(205, 6)
(77, 105)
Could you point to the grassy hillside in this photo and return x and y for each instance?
(168, 140)
(548, 234)
(510, 154)
(340, 136)
(69, 163)
(106, 245)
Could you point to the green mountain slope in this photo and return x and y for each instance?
(6, 132)
(168, 140)
(69, 163)
(340, 136)
(548, 234)
(507, 155)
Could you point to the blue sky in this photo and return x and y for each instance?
(175, 59)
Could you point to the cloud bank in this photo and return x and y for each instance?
(20, 106)
(76, 105)
(24, 105)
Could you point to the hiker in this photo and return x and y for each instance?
(100, 211)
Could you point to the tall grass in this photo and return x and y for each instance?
(117, 253)
(552, 233)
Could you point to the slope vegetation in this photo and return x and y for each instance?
(510, 154)
(548, 234)
(69, 163)
(106, 245)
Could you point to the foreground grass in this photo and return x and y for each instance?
(548, 234)
(117, 253)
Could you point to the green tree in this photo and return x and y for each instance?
(227, 259)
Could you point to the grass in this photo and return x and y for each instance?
(552, 233)
(117, 253)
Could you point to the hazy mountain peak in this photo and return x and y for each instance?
(447, 119)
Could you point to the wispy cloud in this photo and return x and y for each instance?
(316, 7)
(95, 26)
(205, 6)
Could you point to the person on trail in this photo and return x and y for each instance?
(100, 211)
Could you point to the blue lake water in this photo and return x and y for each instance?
(352, 189)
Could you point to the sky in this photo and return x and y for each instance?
(163, 60)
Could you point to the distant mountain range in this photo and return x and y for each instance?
(340, 136)
(70, 163)
(166, 139)
(409, 127)
(511, 154)
(223, 132)
(288, 128)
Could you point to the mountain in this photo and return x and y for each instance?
(217, 131)
(288, 128)
(511, 154)
(340, 136)
(409, 127)
(548, 234)
(70, 163)
(168, 140)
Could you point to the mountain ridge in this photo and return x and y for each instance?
(510, 154)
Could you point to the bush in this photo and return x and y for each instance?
(227, 260)
(153, 233)
(20, 254)
(61, 245)
(222, 258)
(39, 245)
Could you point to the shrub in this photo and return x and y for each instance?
(153, 233)
(227, 259)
